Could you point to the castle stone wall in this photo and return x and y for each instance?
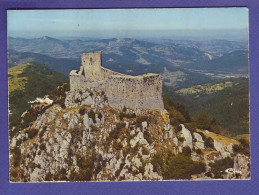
(144, 91)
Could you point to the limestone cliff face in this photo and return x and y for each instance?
(87, 140)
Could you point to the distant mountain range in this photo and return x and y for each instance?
(59, 64)
(218, 55)
(174, 77)
(215, 47)
(233, 62)
(236, 61)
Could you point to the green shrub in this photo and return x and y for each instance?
(16, 156)
(208, 174)
(94, 128)
(218, 167)
(48, 177)
(187, 150)
(148, 119)
(209, 143)
(19, 142)
(181, 139)
(205, 121)
(178, 128)
(105, 98)
(191, 127)
(60, 92)
(98, 168)
(181, 166)
(244, 142)
(86, 165)
(42, 146)
(148, 137)
(204, 137)
(145, 151)
(76, 133)
(117, 145)
(140, 119)
(177, 112)
(115, 133)
(100, 116)
(28, 118)
(141, 169)
(126, 115)
(63, 171)
(77, 100)
(82, 111)
(32, 133)
(91, 115)
(14, 173)
(198, 151)
(236, 148)
(157, 162)
(135, 149)
(243, 147)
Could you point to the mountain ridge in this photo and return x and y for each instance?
(141, 52)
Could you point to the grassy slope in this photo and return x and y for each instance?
(219, 138)
(28, 81)
(205, 89)
(16, 82)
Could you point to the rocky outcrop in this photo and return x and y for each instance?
(186, 134)
(199, 141)
(88, 140)
(242, 163)
(224, 150)
(87, 97)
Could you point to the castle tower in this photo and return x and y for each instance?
(91, 63)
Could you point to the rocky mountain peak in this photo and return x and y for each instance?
(81, 138)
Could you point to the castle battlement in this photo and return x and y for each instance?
(142, 91)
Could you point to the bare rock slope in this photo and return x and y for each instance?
(84, 139)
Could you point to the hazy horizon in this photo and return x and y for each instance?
(168, 23)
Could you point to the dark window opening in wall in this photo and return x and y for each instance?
(83, 73)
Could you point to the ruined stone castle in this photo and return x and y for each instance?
(143, 91)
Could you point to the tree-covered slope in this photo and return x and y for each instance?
(227, 101)
(28, 81)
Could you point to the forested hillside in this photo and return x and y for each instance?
(26, 82)
(229, 104)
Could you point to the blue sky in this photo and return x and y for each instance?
(78, 22)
